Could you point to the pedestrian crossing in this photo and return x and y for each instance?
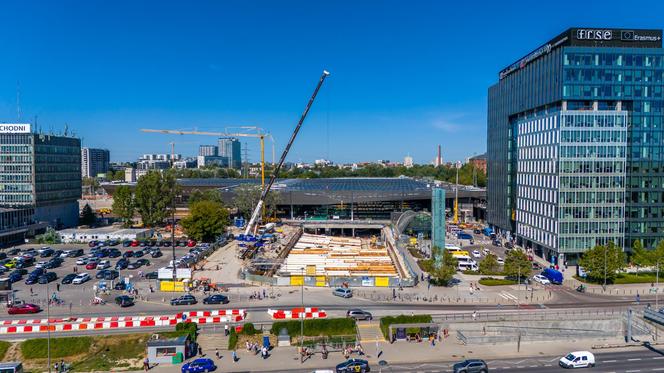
(369, 332)
(508, 296)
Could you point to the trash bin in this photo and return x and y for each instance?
(177, 358)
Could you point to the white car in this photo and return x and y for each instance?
(104, 264)
(577, 359)
(40, 264)
(80, 278)
(82, 261)
(500, 260)
(476, 254)
(541, 279)
(486, 251)
(65, 253)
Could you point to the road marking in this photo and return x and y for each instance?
(609, 361)
(656, 369)
(633, 371)
(658, 358)
(635, 359)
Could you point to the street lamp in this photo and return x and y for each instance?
(48, 327)
(605, 249)
(302, 319)
(657, 288)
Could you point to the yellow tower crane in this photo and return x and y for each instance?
(258, 133)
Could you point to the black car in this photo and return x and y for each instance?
(120, 286)
(124, 301)
(114, 253)
(353, 366)
(69, 278)
(152, 275)
(14, 277)
(167, 244)
(121, 264)
(46, 253)
(143, 262)
(13, 251)
(156, 254)
(21, 271)
(53, 263)
(57, 253)
(159, 244)
(126, 243)
(25, 263)
(216, 299)
(139, 253)
(37, 272)
(47, 277)
(128, 254)
(152, 243)
(184, 300)
(134, 265)
(471, 366)
(75, 253)
(107, 274)
(32, 280)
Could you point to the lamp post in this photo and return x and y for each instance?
(657, 288)
(302, 320)
(605, 249)
(48, 327)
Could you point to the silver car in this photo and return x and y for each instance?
(343, 292)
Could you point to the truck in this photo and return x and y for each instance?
(556, 277)
(487, 231)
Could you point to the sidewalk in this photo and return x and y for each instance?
(398, 353)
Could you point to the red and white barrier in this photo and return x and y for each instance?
(297, 313)
(119, 322)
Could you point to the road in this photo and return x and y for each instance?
(642, 360)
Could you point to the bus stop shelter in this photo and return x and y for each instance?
(407, 332)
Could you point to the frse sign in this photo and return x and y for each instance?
(594, 34)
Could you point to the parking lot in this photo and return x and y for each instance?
(71, 296)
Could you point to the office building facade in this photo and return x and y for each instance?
(94, 161)
(41, 172)
(208, 150)
(230, 148)
(575, 148)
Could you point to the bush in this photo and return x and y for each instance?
(315, 328)
(624, 278)
(249, 329)
(60, 347)
(4, 346)
(490, 281)
(232, 339)
(186, 328)
(386, 321)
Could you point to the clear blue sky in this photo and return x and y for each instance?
(406, 75)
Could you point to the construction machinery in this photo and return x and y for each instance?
(259, 133)
(275, 172)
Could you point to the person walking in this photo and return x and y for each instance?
(226, 332)
(234, 356)
(216, 353)
(146, 364)
(57, 286)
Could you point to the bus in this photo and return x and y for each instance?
(461, 255)
(12, 367)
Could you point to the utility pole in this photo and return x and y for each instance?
(48, 326)
(605, 249)
(456, 194)
(173, 237)
(657, 288)
(302, 320)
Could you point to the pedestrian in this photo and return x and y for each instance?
(200, 350)
(62, 365)
(226, 332)
(57, 286)
(474, 315)
(31, 292)
(264, 294)
(234, 356)
(146, 364)
(55, 367)
(216, 353)
(638, 298)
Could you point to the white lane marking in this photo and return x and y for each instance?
(609, 361)
(634, 359)
(633, 371)
(657, 369)
(658, 358)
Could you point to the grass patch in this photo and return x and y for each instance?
(120, 351)
(386, 321)
(4, 346)
(624, 278)
(60, 347)
(426, 265)
(314, 328)
(248, 329)
(415, 253)
(489, 281)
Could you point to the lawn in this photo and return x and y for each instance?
(4, 346)
(126, 351)
(314, 328)
(60, 347)
(386, 321)
(625, 278)
(489, 281)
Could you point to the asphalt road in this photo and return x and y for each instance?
(642, 360)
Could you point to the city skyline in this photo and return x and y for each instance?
(214, 70)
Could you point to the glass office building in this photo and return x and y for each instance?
(40, 172)
(575, 143)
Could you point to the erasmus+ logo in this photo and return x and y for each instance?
(594, 34)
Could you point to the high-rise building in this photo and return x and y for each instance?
(230, 148)
(94, 161)
(41, 172)
(408, 161)
(575, 145)
(208, 150)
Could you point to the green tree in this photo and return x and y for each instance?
(603, 261)
(247, 196)
(50, 237)
(206, 220)
(640, 256)
(124, 205)
(154, 195)
(445, 265)
(87, 216)
(489, 265)
(517, 263)
(658, 255)
(205, 195)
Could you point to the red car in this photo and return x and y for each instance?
(24, 308)
(91, 265)
(191, 243)
(134, 243)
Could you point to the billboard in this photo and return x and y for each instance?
(14, 128)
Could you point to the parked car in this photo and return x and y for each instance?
(46, 252)
(92, 263)
(121, 264)
(536, 266)
(358, 314)
(216, 299)
(69, 278)
(48, 277)
(353, 366)
(541, 279)
(134, 243)
(14, 277)
(114, 253)
(13, 251)
(343, 292)
(500, 261)
(497, 243)
(577, 359)
(81, 278)
(134, 265)
(53, 263)
(156, 254)
(199, 365)
(184, 300)
(143, 262)
(57, 253)
(139, 253)
(107, 274)
(124, 301)
(121, 285)
(24, 308)
(32, 279)
(103, 264)
(82, 261)
(128, 254)
(92, 243)
(476, 254)
(470, 366)
(152, 275)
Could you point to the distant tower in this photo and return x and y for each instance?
(439, 158)
(408, 161)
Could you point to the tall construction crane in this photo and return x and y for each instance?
(259, 133)
(275, 171)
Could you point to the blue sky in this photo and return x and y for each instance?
(406, 75)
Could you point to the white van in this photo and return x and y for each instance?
(467, 266)
(577, 359)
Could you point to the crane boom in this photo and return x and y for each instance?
(275, 172)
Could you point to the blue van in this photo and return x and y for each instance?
(556, 277)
